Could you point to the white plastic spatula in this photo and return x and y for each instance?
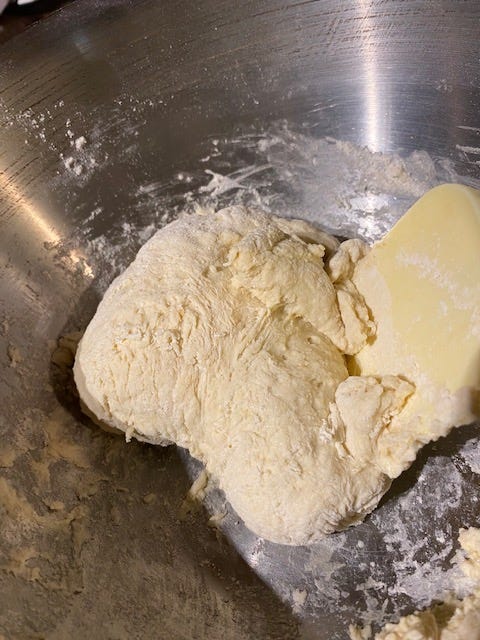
(422, 285)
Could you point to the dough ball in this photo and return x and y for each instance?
(227, 335)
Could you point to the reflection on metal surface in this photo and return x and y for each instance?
(372, 83)
(38, 221)
(14, 197)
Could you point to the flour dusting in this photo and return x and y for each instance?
(347, 190)
(470, 453)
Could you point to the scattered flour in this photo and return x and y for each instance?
(470, 453)
(454, 619)
(417, 566)
(348, 190)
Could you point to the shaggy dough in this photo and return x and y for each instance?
(453, 620)
(228, 335)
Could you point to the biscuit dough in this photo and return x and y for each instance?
(228, 335)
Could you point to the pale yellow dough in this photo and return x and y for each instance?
(228, 335)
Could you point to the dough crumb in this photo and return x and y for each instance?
(299, 597)
(55, 505)
(216, 519)
(80, 142)
(195, 494)
(14, 355)
(357, 633)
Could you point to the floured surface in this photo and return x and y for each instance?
(396, 562)
(454, 619)
(470, 453)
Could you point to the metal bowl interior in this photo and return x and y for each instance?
(111, 112)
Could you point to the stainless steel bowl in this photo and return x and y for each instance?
(109, 110)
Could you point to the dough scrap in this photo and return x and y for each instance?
(453, 620)
(227, 335)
